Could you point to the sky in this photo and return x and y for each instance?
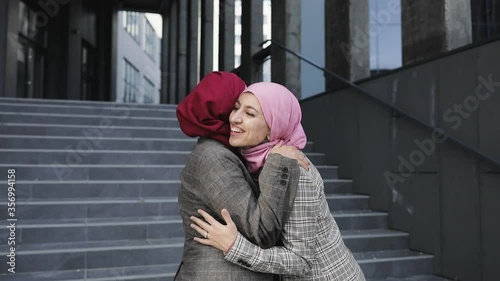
(157, 23)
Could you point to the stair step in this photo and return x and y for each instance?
(52, 189)
(338, 202)
(337, 186)
(63, 172)
(49, 156)
(395, 263)
(360, 219)
(105, 189)
(316, 158)
(413, 278)
(136, 273)
(92, 208)
(83, 131)
(86, 109)
(82, 144)
(93, 172)
(73, 119)
(375, 240)
(86, 103)
(327, 172)
(32, 231)
(95, 254)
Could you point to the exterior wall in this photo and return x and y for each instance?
(133, 51)
(444, 197)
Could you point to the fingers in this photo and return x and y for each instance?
(198, 229)
(203, 241)
(226, 216)
(208, 217)
(201, 223)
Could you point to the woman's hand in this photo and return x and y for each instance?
(291, 152)
(215, 234)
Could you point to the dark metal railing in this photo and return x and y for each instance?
(396, 110)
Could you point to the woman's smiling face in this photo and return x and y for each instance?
(248, 125)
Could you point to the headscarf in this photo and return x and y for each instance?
(205, 111)
(282, 113)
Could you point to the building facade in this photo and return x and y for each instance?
(138, 59)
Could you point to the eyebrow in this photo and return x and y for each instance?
(247, 106)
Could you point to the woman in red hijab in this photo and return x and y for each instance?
(215, 178)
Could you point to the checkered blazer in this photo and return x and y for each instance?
(313, 248)
(215, 178)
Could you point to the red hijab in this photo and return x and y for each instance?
(205, 111)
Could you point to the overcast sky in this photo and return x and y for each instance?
(156, 22)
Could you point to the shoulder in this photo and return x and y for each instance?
(208, 147)
(211, 152)
(310, 181)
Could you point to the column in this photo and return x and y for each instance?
(193, 46)
(432, 27)
(251, 37)
(172, 64)
(207, 37)
(286, 30)
(74, 51)
(4, 44)
(226, 35)
(165, 44)
(347, 40)
(8, 47)
(182, 41)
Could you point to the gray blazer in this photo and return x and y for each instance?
(215, 178)
(313, 248)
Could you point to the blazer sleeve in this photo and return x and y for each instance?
(259, 218)
(298, 254)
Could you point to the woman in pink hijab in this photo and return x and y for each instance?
(313, 249)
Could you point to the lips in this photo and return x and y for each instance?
(235, 131)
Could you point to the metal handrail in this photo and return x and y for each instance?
(396, 109)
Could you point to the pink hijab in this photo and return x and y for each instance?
(282, 113)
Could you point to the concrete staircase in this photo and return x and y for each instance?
(96, 187)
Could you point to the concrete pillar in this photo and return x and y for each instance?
(4, 8)
(165, 41)
(107, 28)
(74, 51)
(251, 36)
(226, 35)
(11, 30)
(193, 45)
(172, 64)
(207, 37)
(285, 67)
(432, 27)
(347, 40)
(182, 41)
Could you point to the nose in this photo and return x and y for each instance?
(235, 117)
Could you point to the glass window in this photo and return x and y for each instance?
(88, 79)
(131, 24)
(31, 49)
(149, 91)
(131, 78)
(150, 46)
(385, 35)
